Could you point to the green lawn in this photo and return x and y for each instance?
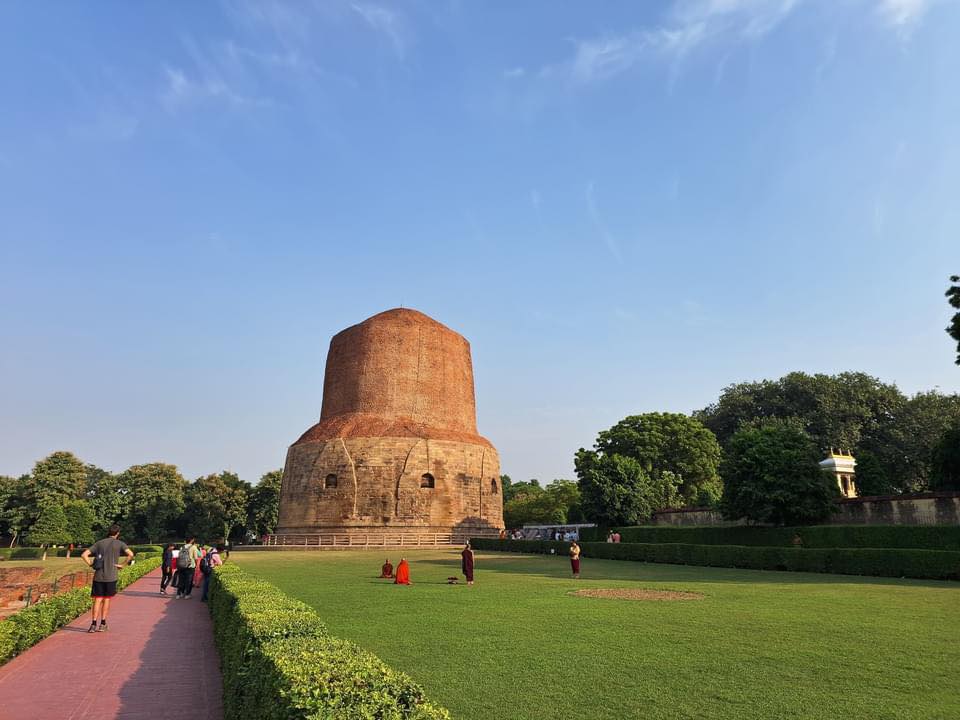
(759, 645)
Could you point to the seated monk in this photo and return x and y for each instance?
(387, 570)
(403, 573)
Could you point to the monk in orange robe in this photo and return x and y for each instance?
(403, 573)
(387, 570)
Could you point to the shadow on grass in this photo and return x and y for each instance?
(558, 568)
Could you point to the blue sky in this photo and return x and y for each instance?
(623, 206)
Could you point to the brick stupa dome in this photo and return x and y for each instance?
(399, 373)
(397, 443)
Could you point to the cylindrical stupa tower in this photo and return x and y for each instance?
(396, 447)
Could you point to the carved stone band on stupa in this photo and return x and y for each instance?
(397, 446)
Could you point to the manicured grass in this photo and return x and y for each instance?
(759, 645)
(53, 567)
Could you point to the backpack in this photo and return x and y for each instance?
(184, 561)
(206, 564)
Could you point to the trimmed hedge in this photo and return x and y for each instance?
(921, 537)
(881, 562)
(26, 628)
(279, 662)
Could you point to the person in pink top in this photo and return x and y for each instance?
(211, 560)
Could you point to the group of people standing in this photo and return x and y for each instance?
(189, 567)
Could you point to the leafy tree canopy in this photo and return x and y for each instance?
(106, 498)
(557, 504)
(771, 475)
(891, 435)
(669, 442)
(57, 478)
(216, 506)
(153, 494)
(51, 527)
(946, 461)
(80, 521)
(263, 504)
(953, 297)
(616, 490)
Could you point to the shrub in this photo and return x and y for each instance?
(279, 662)
(925, 537)
(889, 562)
(29, 626)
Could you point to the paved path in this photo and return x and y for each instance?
(131, 672)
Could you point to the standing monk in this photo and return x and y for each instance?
(466, 563)
(575, 559)
(403, 573)
(387, 570)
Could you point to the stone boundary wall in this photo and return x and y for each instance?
(932, 508)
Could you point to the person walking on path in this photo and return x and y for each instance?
(186, 562)
(166, 567)
(211, 560)
(102, 556)
(466, 563)
(575, 559)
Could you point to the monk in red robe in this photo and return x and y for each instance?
(466, 563)
(387, 570)
(403, 573)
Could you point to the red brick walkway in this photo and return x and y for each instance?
(132, 672)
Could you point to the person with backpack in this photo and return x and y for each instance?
(211, 560)
(102, 556)
(186, 562)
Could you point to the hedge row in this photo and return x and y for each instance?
(881, 562)
(925, 537)
(26, 628)
(279, 662)
(35, 553)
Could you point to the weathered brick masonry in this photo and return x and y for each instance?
(397, 444)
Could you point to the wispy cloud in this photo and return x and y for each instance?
(181, 89)
(687, 26)
(903, 15)
(388, 22)
(515, 72)
(608, 239)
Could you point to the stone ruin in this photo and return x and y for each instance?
(396, 448)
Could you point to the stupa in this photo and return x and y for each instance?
(397, 447)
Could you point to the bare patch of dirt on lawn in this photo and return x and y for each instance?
(641, 594)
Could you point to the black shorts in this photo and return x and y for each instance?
(103, 589)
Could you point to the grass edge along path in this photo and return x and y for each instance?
(279, 661)
(517, 645)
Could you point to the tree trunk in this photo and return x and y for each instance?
(13, 540)
(44, 551)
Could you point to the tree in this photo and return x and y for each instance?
(14, 506)
(514, 489)
(904, 443)
(669, 442)
(216, 505)
(953, 297)
(771, 475)
(263, 504)
(616, 490)
(106, 498)
(50, 528)
(57, 478)
(946, 461)
(80, 520)
(505, 484)
(552, 505)
(853, 411)
(153, 494)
